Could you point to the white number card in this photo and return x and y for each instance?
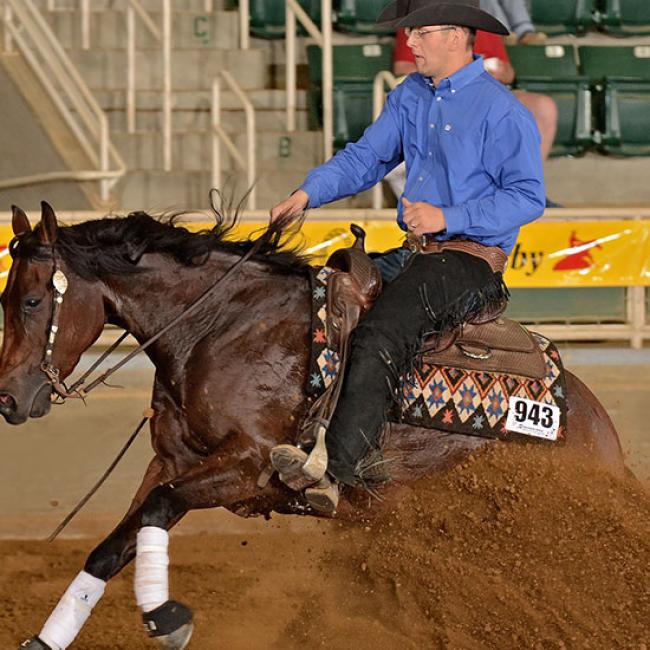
(533, 418)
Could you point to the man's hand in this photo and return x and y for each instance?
(292, 207)
(422, 218)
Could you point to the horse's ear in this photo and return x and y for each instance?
(19, 221)
(49, 227)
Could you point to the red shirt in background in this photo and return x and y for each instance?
(488, 45)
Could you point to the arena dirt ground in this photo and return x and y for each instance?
(517, 548)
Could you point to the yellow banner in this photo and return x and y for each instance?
(547, 254)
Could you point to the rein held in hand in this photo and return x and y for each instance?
(60, 284)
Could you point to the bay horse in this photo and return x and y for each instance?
(228, 381)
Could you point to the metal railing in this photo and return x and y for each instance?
(162, 36)
(323, 38)
(383, 79)
(25, 26)
(219, 134)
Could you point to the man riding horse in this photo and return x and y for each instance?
(474, 176)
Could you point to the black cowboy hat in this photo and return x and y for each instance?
(417, 13)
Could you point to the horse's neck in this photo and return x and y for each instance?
(145, 303)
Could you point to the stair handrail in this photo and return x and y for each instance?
(163, 36)
(323, 38)
(87, 121)
(218, 134)
(382, 79)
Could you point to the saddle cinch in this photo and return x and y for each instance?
(489, 342)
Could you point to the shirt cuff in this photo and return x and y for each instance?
(456, 220)
(311, 188)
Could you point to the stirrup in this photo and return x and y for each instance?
(323, 496)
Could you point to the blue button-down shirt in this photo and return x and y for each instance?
(471, 148)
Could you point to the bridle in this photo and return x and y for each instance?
(60, 284)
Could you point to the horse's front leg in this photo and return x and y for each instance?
(87, 588)
(143, 535)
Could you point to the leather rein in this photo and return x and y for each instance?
(60, 285)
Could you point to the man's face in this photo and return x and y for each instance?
(430, 45)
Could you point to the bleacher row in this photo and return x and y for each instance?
(617, 17)
(602, 92)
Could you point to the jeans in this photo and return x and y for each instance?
(391, 263)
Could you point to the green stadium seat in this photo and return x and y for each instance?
(552, 70)
(355, 68)
(618, 62)
(620, 78)
(626, 17)
(268, 18)
(563, 16)
(360, 16)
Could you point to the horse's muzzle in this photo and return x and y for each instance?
(10, 405)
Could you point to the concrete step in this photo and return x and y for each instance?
(191, 69)
(261, 98)
(192, 151)
(200, 119)
(159, 191)
(191, 110)
(149, 5)
(190, 30)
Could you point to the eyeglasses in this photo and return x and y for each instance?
(419, 33)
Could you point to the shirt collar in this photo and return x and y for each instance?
(462, 77)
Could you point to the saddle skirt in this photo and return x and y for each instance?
(492, 379)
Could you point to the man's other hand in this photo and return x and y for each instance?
(422, 218)
(292, 207)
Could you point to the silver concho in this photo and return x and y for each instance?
(60, 282)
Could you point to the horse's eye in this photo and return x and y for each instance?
(32, 303)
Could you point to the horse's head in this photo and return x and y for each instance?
(37, 309)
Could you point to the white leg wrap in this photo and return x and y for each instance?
(151, 568)
(72, 611)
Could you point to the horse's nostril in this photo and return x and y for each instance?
(6, 400)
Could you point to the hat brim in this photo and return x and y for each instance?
(443, 14)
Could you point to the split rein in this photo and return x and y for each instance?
(60, 284)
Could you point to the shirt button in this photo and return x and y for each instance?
(452, 91)
(421, 178)
(432, 126)
(438, 99)
(447, 127)
(430, 153)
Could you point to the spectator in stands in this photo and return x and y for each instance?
(475, 176)
(496, 61)
(515, 16)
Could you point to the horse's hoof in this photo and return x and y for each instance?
(170, 625)
(34, 644)
(176, 640)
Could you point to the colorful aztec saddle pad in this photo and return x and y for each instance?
(486, 404)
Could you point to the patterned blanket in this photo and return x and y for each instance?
(454, 400)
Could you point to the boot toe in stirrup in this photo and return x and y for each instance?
(289, 461)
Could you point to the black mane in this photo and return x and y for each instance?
(114, 245)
